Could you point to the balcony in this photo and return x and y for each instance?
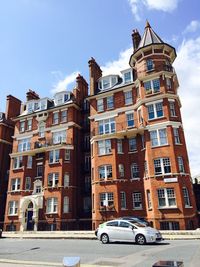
(120, 131)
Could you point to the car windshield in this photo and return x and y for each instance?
(138, 224)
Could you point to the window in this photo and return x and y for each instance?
(61, 98)
(149, 199)
(155, 110)
(186, 197)
(106, 199)
(15, 184)
(121, 170)
(128, 97)
(119, 146)
(22, 126)
(107, 82)
(39, 170)
(86, 142)
(54, 156)
(41, 131)
(66, 179)
(52, 205)
(166, 197)
(87, 162)
(105, 171)
(24, 145)
(168, 83)
(169, 225)
(181, 165)
(55, 118)
(38, 189)
(137, 200)
(100, 106)
(162, 166)
(29, 125)
(64, 116)
(152, 86)
(104, 147)
(130, 119)
(28, 183)
(12, 207)
(176, 136)
(107, 126)
(143, 141)
(132, 144)
(59, 137)
(87, 184)
(66, 204)
(134, 171)
(127, 77)
(150, 65)
(172, 109)
(145, 168)
(67, 154)
(158, 137)
(29, 162)
(17, 162)
(53, 179)
(110, 102)
(87, 204)
(123, 200)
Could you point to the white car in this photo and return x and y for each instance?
(127, 231)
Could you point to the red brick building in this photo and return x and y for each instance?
(49, 181)
(6, 133)
(138, 153)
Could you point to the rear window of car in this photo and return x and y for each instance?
(115, 223)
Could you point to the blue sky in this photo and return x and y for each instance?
(45, 43)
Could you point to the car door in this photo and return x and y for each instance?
(125, 232)
(112, 230)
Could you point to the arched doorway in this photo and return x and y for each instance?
(29, 217)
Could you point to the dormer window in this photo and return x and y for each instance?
(107, 82)
(37, 105)
(127, 76)
(150, 65)
(61, 98)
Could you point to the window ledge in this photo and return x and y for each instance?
(178, 144)
(52, 163)
(132, 152)
(157, 118)
(137, 208)
(13, 214)
(135, 179)
(160, 146)
(188, 207)
(18, 169)
(120, 153)
(107, 154)
(167, 208)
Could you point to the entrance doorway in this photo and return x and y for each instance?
(29, 217)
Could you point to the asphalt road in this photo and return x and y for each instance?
(93, 252)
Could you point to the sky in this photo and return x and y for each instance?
(44, 44)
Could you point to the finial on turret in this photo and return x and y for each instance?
(147, 24)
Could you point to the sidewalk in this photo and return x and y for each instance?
(168, 235)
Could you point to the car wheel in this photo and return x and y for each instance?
(104, 239)
(140, 239)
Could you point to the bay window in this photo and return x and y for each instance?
(166, 197)
(162, 166)
(52, 205)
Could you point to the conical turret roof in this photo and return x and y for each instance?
(149, 37)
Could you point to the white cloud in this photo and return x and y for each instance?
(188, 69)
(193, 26)
(138, 5)
(114, 67)
(62, 84)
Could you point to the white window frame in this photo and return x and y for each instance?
(110, 102)
(128, 97)
(107, 126)
(176, 136)
(67, 154)
(172, 108)
(15, 184)
(119, 146)
(104, 147)
(53, 179)
(105, 172)
(52, 205)
(130, 119)
(186, 197)
(181, 164)
(24, 144)
(55, 117)
(158, 137)
(137, 200)
(155, 109)
(59, 137)
(22, 126)
(17, 162)
(66, 179)
(135, 172)
(149, 202)
(13, 208)
(100, 105)
(132, 144)
(121, 170)
(28, 183)
(66, 204)
(106, 199)
(54, 156)
(63, 116)
(123, 200)
(29, 162)
(149, 65)
(29, 124)
(162, 163)
(150, 88)
(167, 196)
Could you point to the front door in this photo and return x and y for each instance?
(30, 221)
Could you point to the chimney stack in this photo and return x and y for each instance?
(136, 38)
(95, 74)
(30, 95)
(13, 106)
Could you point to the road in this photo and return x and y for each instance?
(93, 252)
